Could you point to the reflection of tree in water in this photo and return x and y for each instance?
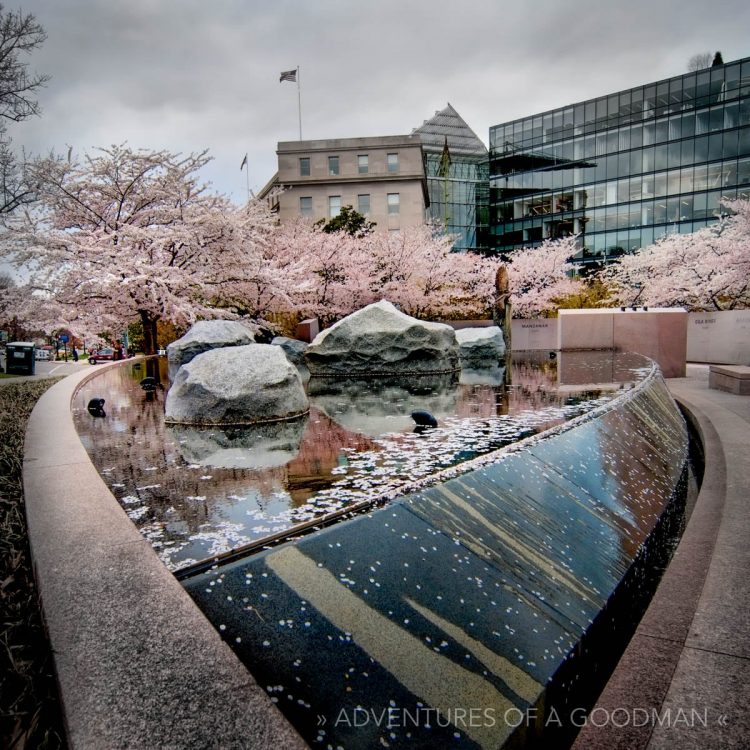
(481, 401)
(320, 451)
(534, 386)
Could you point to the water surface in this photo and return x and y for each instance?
(198, 492)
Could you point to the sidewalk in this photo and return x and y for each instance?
(688, 664)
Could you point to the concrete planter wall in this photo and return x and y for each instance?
(138, 664)
(721, 337)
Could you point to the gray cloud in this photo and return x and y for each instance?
(189, 75)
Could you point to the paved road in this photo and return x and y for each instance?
(45, 369)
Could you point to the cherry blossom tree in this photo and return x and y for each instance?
(413, 268)
(706, 270)
(332, 269)
(268, 274)
(134, 234)
(128, 235)
(417, 270)
(539, 276)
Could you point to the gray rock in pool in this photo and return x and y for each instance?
(480, 347)
(206, 335)
(293, 348)
(381, 340)
(236, 385)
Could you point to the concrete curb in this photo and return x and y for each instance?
(137, 663)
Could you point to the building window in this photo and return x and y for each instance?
(334, 205)
(305, 206)
(393, 162)
(304, 166)
(394, 203)
(363, 163)
(363, 204)
(333, 165)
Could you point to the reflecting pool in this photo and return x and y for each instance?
(198, 492)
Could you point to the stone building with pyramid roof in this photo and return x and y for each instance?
(438, 173)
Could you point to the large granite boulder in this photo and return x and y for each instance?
(205, 335)
(381, 340)
(480, 347)
(237, 385)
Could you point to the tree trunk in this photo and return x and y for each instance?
(149, 332)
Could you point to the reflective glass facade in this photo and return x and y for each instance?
(459, 197)
(623, 169)
(457, 170)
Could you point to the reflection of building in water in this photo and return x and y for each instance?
(623, 169)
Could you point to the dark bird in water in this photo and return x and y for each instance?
(149, 384)
(424, 419)
(96, 407)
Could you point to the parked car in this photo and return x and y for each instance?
(41, 354)
(102, 355)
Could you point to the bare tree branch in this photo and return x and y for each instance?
(20, 35)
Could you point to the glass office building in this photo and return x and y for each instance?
(457, 171)
(623, 169)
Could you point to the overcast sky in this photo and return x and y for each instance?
(189, 75)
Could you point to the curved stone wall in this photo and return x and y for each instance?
(137, 663)
(480, 611)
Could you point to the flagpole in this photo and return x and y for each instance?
(299, 104)
(246, 166)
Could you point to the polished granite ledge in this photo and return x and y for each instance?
(684, 681)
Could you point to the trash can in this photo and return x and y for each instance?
(19, 358)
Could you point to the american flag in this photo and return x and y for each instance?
(288, 75)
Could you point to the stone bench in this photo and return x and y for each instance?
(730, 378)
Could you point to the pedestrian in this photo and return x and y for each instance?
(75, 354)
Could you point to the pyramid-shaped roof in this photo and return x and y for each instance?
(448, 123)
